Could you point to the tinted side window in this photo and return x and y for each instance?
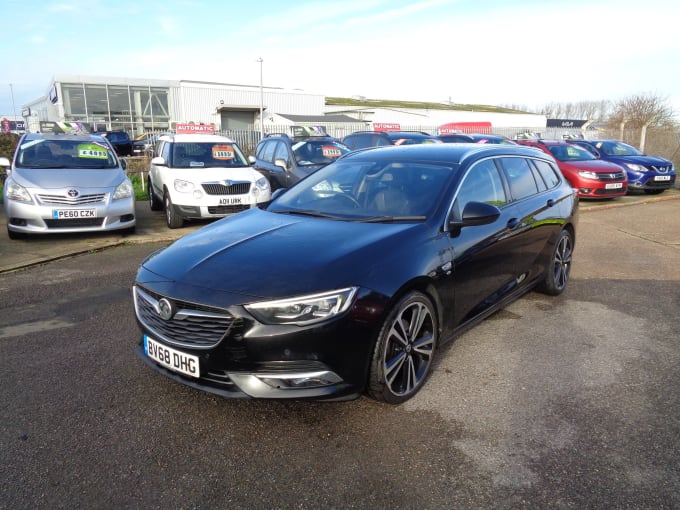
(548, 173)
(268, 151)
(281, 152)
(520, 177)
(482, 183)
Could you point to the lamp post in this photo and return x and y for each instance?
(261, 101)
(14, 108)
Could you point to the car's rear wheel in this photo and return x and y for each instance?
(557, 273)
(173, 219)
(154, 203)
(403, 355)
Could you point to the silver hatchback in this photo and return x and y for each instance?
(66, 183)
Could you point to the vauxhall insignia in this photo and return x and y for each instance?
(165, 310)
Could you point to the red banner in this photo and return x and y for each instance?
(386, 126)
(203, 129)
(483, 128)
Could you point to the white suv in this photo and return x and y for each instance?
(202, 176)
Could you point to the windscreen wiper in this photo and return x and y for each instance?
(314, 214)
(390, 219)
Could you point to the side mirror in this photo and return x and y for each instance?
(281, 163)
(251, 160)
(4, 162)
(123, 163)
(474, 214)
(158, 161)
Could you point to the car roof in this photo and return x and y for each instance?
(63, 136)
(196, 138)
(545, 142)
(451, 153)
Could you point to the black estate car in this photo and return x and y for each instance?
(366, 139)
(284, 160)
(351, 280)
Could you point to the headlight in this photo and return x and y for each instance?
(588, 175)
(636, 168)
(304, 310)
(15, 192)
(262, 183)
(183, 186)
(124, 190)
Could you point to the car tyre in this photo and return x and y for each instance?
(154, 203)
(559, 269)
(173, 219)
(404, 352)
(654, 191)
(15, 235)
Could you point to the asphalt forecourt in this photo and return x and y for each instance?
(552, 402)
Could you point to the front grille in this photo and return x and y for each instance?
(662, 169)
(66, 200)
(236, 188)
(192, 325)
(75, 223)
(227, 209)
(613, 176)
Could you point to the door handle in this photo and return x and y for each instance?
(512, 223)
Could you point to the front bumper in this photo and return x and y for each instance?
(651, 181)
(40, 219)
(238, 357)
(286, 380)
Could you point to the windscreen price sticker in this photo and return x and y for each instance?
(173, 359)
(223, 152)
(328, 151)
(91, 150)
(68, 214)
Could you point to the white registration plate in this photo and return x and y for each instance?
(66, 214)
(230, 201)
(614, 185)
(662, 177)
(173, 359)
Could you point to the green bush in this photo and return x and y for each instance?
(8, 142)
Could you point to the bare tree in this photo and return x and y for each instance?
(640, 110)
(584, 110)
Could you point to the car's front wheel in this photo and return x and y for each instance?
(403, 355)
(173, 219)
(15, 235)
(557, 273)
(154, 203)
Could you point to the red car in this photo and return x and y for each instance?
(592, 177)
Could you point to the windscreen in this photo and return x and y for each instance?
(65, 154)
(207, 155)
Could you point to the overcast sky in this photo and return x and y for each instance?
(522, 52)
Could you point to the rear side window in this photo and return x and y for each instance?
(482, 183)
(520, 177)
(547, 173)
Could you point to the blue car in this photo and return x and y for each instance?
(650, 174)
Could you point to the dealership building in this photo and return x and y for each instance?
(143, 105)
